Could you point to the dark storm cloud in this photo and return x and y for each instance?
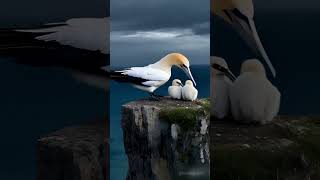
(155, 14)
(143, 31)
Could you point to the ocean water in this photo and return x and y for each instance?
(123, 93)
(34, 102)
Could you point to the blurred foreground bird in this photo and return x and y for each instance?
(221, 81)
(239, 14)
(254, 99)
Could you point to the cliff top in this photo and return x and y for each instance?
(184, 113)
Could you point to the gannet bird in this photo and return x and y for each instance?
(80, 45)
(253, 97)
(239, 14)
(151, 77)
(221, 80)
(174, 91)
(189, 92)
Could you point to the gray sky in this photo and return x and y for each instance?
(143, 31)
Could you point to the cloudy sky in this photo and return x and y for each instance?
(143, 31)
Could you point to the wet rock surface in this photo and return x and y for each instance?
(164, 139)
(286, 149)
(74, 153)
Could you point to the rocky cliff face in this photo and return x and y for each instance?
(166, 139)
(74, 153)
(286, 149)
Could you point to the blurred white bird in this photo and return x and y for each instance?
(239, 14)
(221, 80)
(80, 45)
(253, 98)
(174, 91)
(189, 92)
(151, 77)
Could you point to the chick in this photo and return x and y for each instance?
(175, 90)
(189, 92)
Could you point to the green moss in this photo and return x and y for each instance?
(185, 117)
(206, 105)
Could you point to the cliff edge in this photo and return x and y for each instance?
(166, 139)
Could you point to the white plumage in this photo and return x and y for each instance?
(174, 91)
(151, 77)
(253, 97)
(220, 86)
(189, 92)
(84, 33)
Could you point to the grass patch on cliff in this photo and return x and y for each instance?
(186, 117)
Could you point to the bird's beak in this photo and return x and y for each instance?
(180, 84)
(189, 74)
(230, 75)
(225, 71)
(247, 30)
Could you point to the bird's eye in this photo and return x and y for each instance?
(183, 66)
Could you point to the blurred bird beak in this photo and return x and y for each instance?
(180, 84)
(189, 74)
(247, 29)
(225, 71)
(230, 75)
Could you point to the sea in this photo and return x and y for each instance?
(36, 101)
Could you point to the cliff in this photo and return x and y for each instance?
(166, 139)
(286, 149)
(74, 153)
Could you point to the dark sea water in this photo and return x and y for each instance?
(34, 102)
(123, 93)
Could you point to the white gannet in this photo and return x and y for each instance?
(239, 14)
(189, 92)
(151, 77)
(221, 80)
(174, 91)
(80, 45)
(253, 98)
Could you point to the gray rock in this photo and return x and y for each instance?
(152, 152)
(74, 153)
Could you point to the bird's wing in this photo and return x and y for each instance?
(84, 33)
(140, 75)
